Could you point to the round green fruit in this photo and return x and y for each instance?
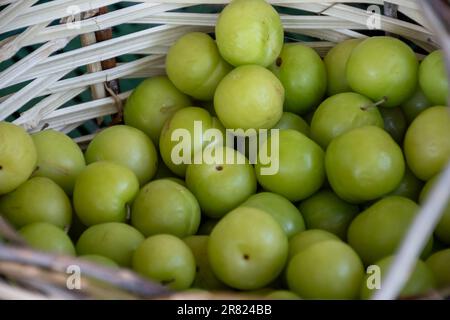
(394, 123)
(409, 187)
(415, 105)
(47, 237)
(282, 295)
(100, 260)
(439, 263)
(292, 121)
(433, 78)
(305, 239)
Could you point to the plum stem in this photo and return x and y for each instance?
(375, 104)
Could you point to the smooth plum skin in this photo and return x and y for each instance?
(303, 75)
(249, 32)
(126, 146)
(292, 121)
(166, 259)
(151, 103)
(336, 63)
(250, 96)
(378, 231)
(164, 206)
(439, 263)
(247, 249)
(113, 240)
(325, 210)
(326, 270)
(383, 67)
(427, 143)
(59, 158)
(364, 164)
(419, 282)
(281, 209)
(409, 187)
(433, 78)
(301, 167)
(47, 237)
(282, 295)
(100, 260)
(18, 156)
(102, 191)
(305, 239)
(194, 65)
(37, 200)
(394, 123)
(415, 105)
(341, 113)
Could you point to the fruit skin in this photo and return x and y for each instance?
(433, 78)
(281, 209)
(325, 210)
(102, 191)
(37, 200)
(153, 102)
(282, 295)
(18, 156)
(113, 240)
(420, 281)
(326, 270)
(305, 239)
(127, 146)
(249, 32)
(247, 249)
(221, 187)
(301, 167)
(415, 105)
(164, 206)
(250, 96)
(335, 63)
(426, 145)
(341, 113)
(370, 70)
(409, 187)
(58, 158)
(378, 231)
(100, 260)
(439, 263)
(364, 164)
(167, 259)
(194, 65)
(303, 75)
(290, 120)
(394, 123)
(47, 237)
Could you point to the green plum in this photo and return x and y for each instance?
(127, 146)
(378, 231)
(415, 105)
(383, 68)
(301, 166)
(409, 187)
(439, 263)
(166, 259)
(18, 156)
(335, 63)
(249, 32)
(290, 120)
(37, 200)
(100, 260)
(164, 206)
(59, 158)
(47, 237)
(102, 192)
(305, 239)
(341, 113)
(282, 295)
(326, 270)
(250, 96)
(113, 240)
(426, 145)
(394, 123)
(325, 210)
(364, 164)
(247, 249)
(194, 65)
(150, 105)
(281, 209)
(433, 78)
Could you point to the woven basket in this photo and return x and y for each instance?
(70, 64)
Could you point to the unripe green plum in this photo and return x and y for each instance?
(292, 121)
(415, 105)
(303, 75)
(427, 143)
(195, 66)
(433, 78)
(59, 158)
(249, 32)
(166, 259)
(100, 260)
(127, 146)
(409, 187)
(164, 206)
(153, 102)
(341, 113)
(102, 192)
(249, 97)
(439, 263)
(364, 164)
(305, 239)
(383, 68)
(47, 237)
(37, 200)
(113, 240)
(394, 123)
(18, 157)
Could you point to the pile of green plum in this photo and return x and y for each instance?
(364, 133)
